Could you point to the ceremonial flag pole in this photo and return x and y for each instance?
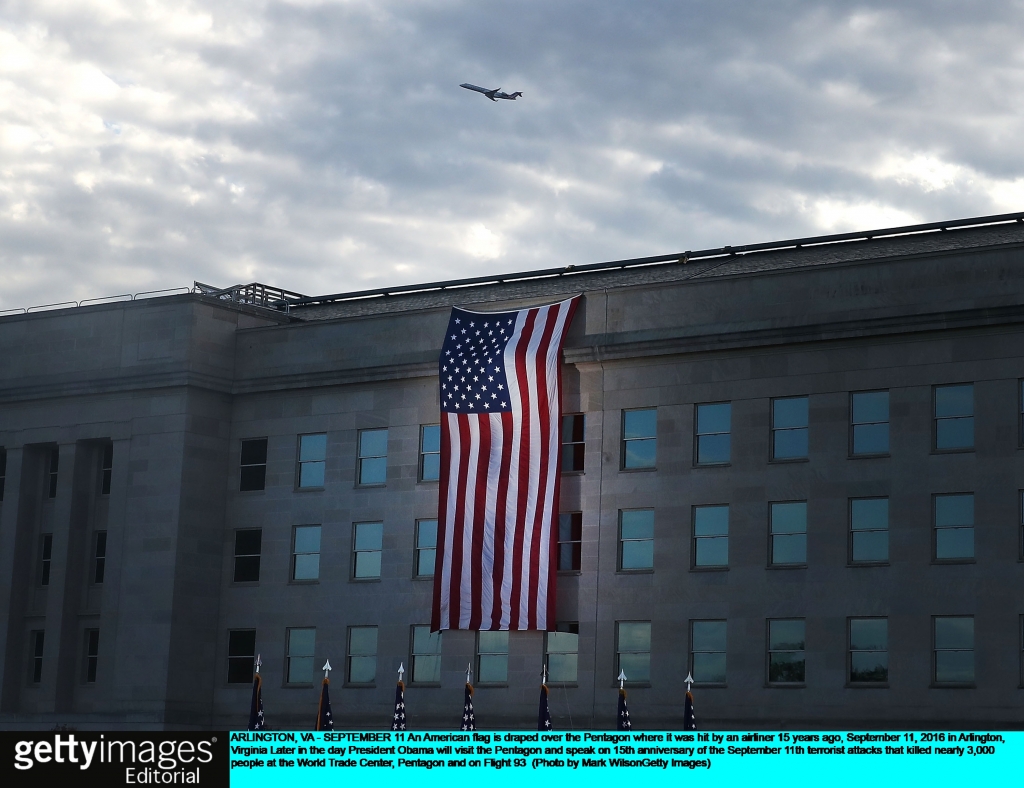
(324, 717)
(398, 719)
(468, 716)
(622, 717)
(256, 705)
(544, 712)
(689, 720)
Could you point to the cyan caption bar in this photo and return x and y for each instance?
(278, 759)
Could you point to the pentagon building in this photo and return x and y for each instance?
(793, 470)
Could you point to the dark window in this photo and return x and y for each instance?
(106, 469)
(301, 648)
(92, 654)
(373, 456)
(312, 460)
(430, 452)
(573, 447)
(3, 471)
(426, 655)
(712, 427)
(306, 552)
(426, 547)
(248, 544)
(492, 657)
(869, 422)
(633, 650)
(788, 533)
(869, 530)
(636, 539)
(36, 641)
(789, 428)
(367, 543)
(362, 655)
(241, 655)
(99, 556)
(786, 651)
(954, 527)
(253, 474)
(954, 417)
(45, 554)
(869, 650)
(710, 536)
(52, 471)
(570, 539)
(639, 438)
(954, 650)
(707, 652)
(561, 649)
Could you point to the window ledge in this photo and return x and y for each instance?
(717, 568)
(697, 465)
(577, 572)
(787, 685)
(876, 456)
(426, 684)
(867, 685)
(649, 571)
(491, 685)
(352, 685)
(245, 583)
(638, 470)
(369, 486)
(294, 582)
(953, 561)
(866, 564)
(310, 489)
(633, 684)
(418, 481)
(787, 460)
(251, 492)
(364, 580)
(423, 577)
(943, 685)
(954, 451)
(787, 566)
(710, 685)
(573, 473)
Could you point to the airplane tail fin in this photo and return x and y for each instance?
(517, 94)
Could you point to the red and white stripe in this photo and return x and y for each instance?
(498, 502)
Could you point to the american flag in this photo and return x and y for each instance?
(324, 717)
(544, 712)
(468, 717)
(500, 378)
(398, 719)
(256, 705)
(689, 720)
(622, 718)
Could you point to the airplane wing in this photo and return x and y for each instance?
(478, 89)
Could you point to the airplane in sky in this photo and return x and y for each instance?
(493, 95)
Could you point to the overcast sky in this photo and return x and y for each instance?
(326, 146)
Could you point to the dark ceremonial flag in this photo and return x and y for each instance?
(256, 705)
(398, 718)
(324, 717)
(468, 717)
(500, 388)
(544, 712)
(622, 718)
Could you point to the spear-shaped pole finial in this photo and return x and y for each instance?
(622, 678)
(327, 668)
(469, 672)
(401, 670)
(688, 681)
(259, 663)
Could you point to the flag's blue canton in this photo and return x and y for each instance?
(326, 720)
(623, 722)
(256, 720)
(472, 365)
(689, 718)
(544, 712)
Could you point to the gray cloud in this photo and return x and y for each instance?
(326, 146)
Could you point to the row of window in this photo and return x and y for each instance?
(867, 543)
(53, 467)
(953, 417)
(785, 653)
(90, 655)
(97, 558)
